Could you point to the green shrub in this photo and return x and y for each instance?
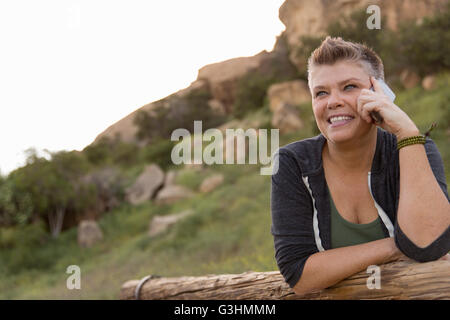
(421, 47)
(425, 47)
(48, 188)
(158, 152)
(353, 27)
(17, 243)
(252, 88)
(190, 178)
(7, 237)
(125, 154)
(176, 112)
(109, 151)
(15, 207)
(99, 152)
(250, 93)
(304, 50)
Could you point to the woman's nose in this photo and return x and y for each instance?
(334, 100)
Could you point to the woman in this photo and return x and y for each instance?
(355, 195)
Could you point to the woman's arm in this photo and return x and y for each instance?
(424, 211)
(326, 268)
(423, 215)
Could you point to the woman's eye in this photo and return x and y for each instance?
(320, 93)
(351, 86)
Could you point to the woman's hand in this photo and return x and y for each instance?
(395, 120)
(446, 257)
(395, 253)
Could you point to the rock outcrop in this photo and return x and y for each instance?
(292, 92)
(301, 18)
(287, 119)
(223, 76)
(429, 82)
(306, 17)
(170, 177)
(145, 186)
(124, 129)
(173, 193)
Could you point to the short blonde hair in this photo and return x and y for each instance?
(332, 50)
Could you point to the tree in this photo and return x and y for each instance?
(52, 186)
(424, 46)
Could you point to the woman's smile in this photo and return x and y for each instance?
(339, 121)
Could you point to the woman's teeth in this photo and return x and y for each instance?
(340, 118)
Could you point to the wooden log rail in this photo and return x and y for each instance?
(399, 280)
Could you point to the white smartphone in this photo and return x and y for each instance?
(387, 91)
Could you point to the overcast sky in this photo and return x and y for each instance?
(69, 69)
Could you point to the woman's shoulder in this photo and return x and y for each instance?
(310, 143)
(307, 152)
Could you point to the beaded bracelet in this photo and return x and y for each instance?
(410, 140)
(416, 139)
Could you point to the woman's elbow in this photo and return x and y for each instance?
(426, 257)
(303, 288)
(433, 251)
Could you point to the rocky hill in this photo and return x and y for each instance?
(311, 18)
(301, 18)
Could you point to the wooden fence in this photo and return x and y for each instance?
(399, 280)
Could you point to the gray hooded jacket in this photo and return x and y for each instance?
(301, 208)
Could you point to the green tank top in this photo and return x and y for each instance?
(345, 233)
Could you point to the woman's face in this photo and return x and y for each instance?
(335, 90)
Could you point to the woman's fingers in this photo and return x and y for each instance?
(367, 108)
(369, 101)
(376, 85)
(395, 120)
(362, 100)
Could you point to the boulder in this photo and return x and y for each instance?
(210, 183)
(173, 193)
(429, 82)
(145, 185)
(159, 224)
(409, 79)
(170, 178)
(251, 136)
(89, 233)
(290, 92)
(286, 119)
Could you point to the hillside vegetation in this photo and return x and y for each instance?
(228, 233)
(229, 230)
